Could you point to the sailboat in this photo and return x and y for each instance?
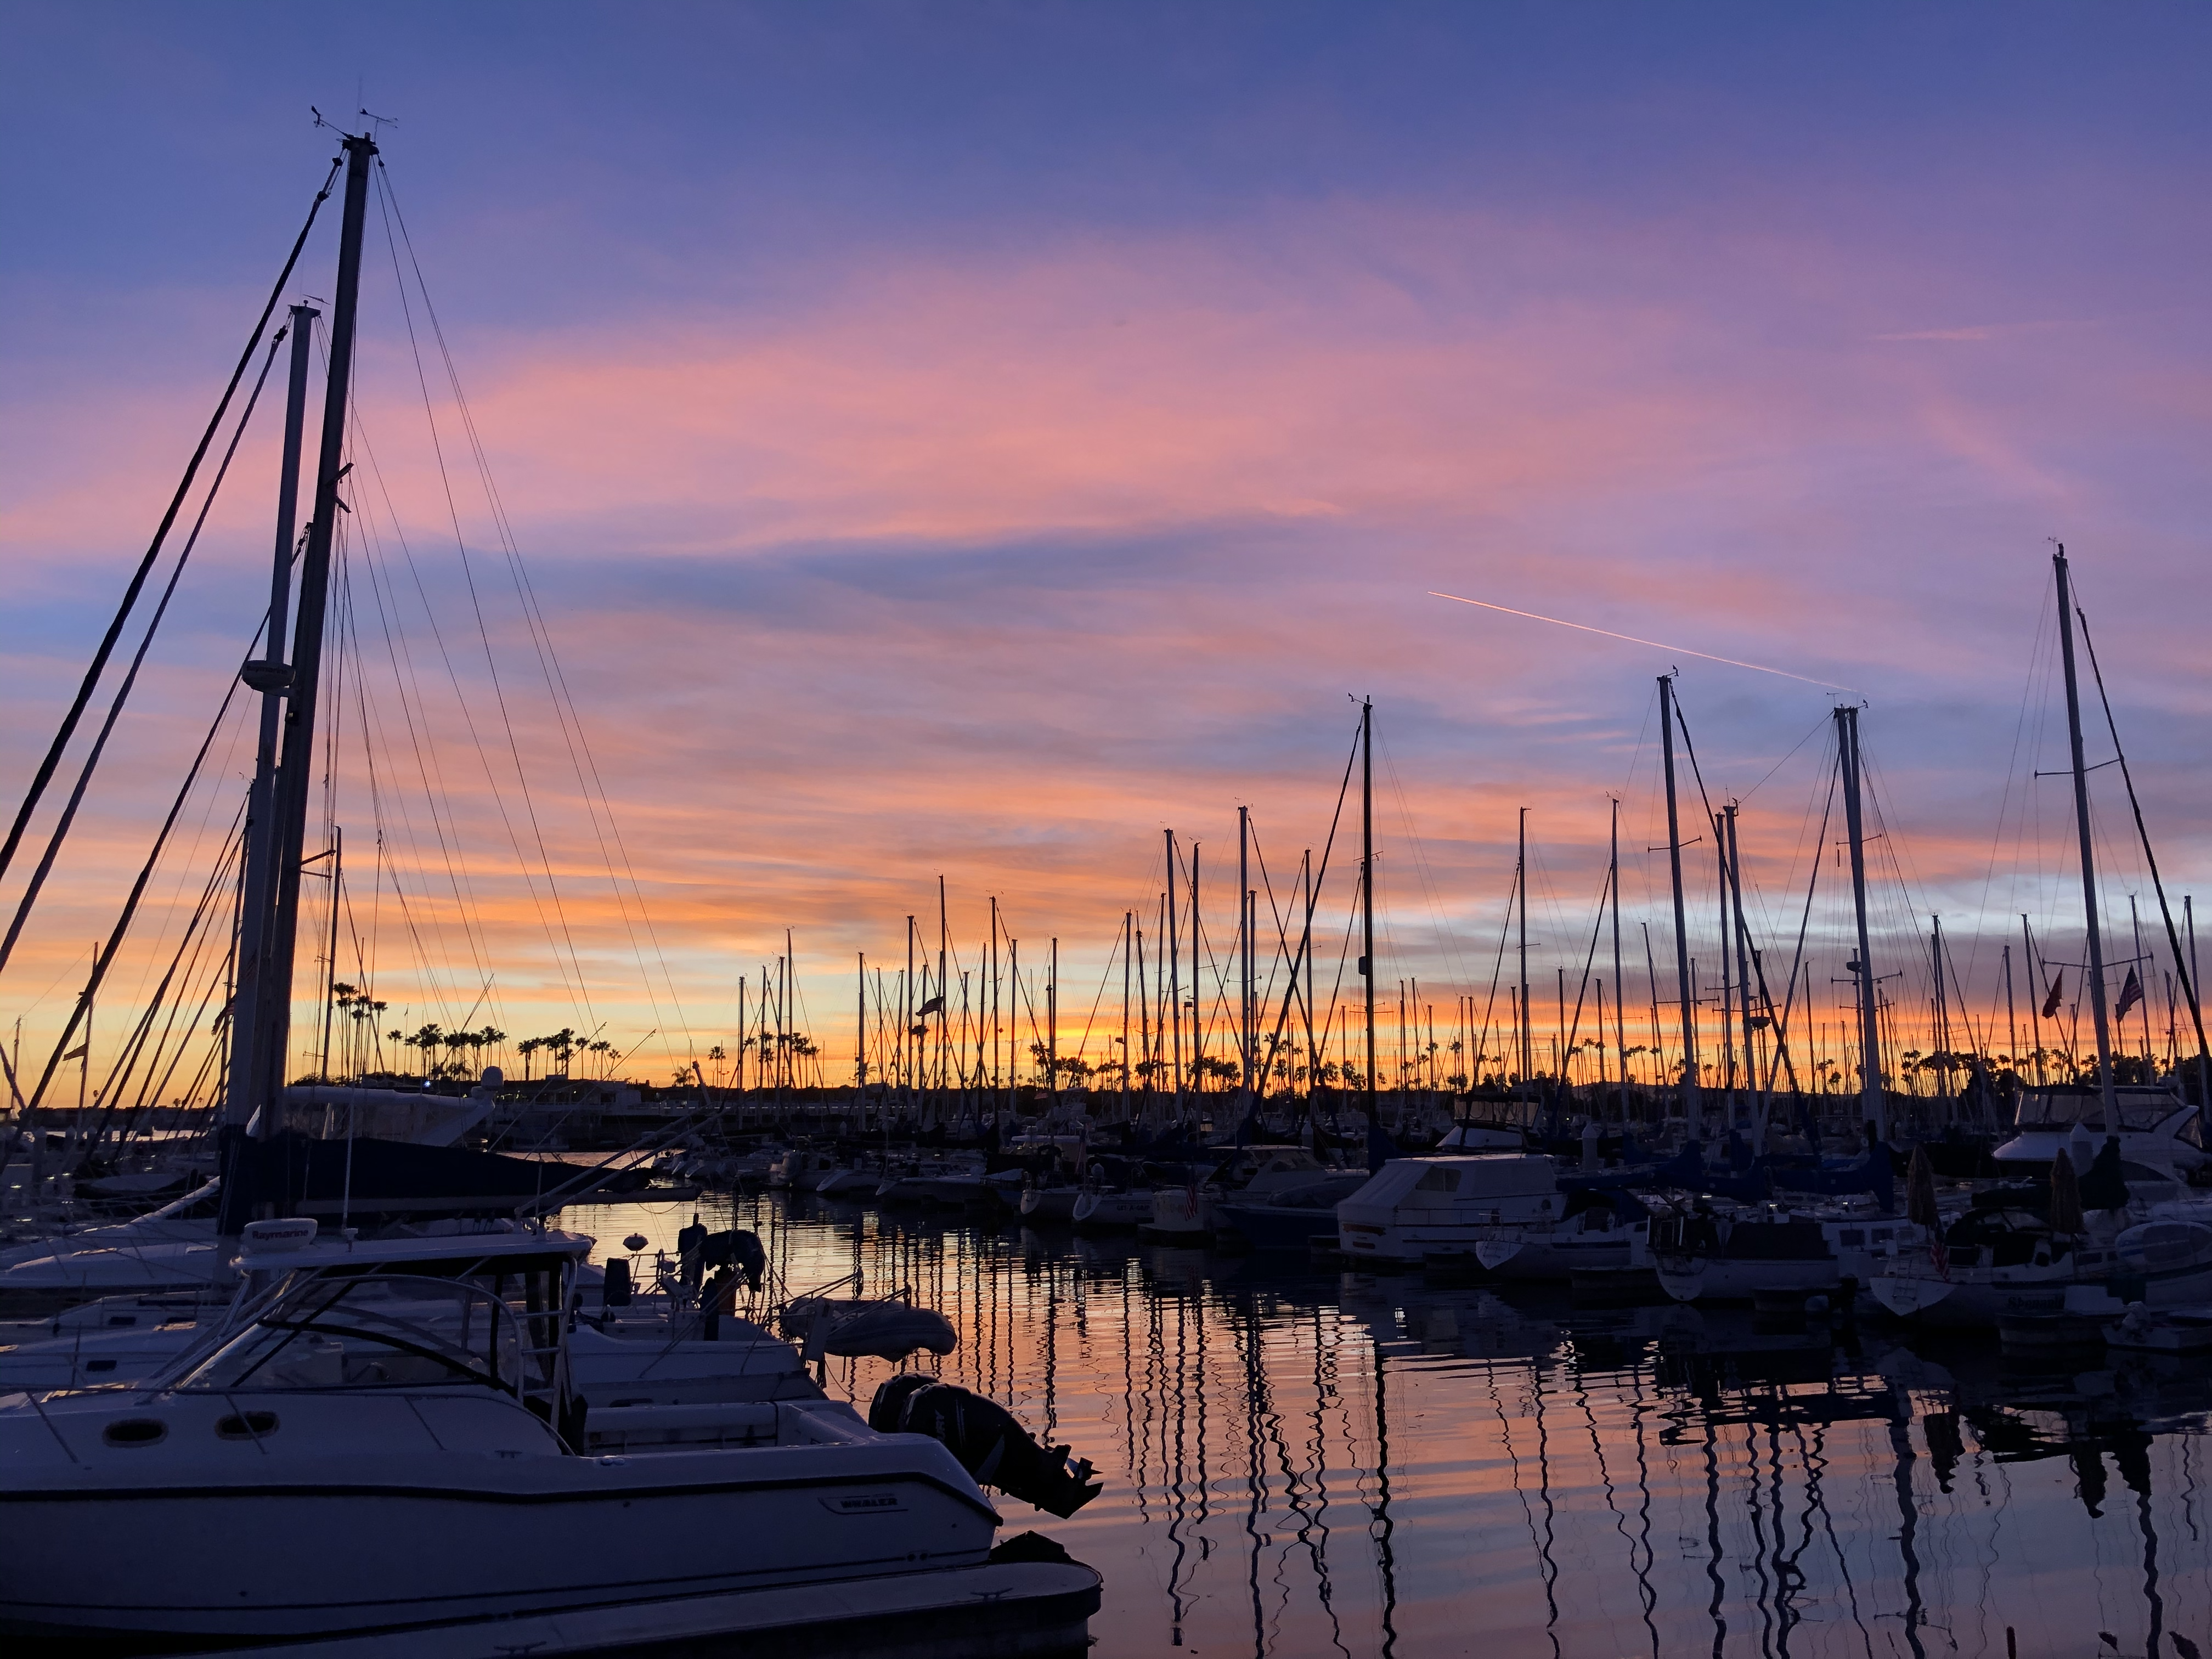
(2134, 1234)
(393, 1434)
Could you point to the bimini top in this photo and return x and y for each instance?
(296, 1245)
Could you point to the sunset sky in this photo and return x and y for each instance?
(966, 439)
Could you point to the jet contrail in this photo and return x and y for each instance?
(1608, 633)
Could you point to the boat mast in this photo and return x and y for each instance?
(1619, 985)
(1305, 951)
(271, 677)
(2186, 970)
(1197, 997)
(263, 1066)
(1727, 1007)
(1367, 883)
(1943, 1014)
(994, 995)
(2097, 1009)
(1754, 1096)
(1129, 940)
(1171, 905)
(1872, 1107)
(1692, 1125)
(944, 949)
(1244, 945)
(1526, 1058)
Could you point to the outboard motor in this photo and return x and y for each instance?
(987, 1440)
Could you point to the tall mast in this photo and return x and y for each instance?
(1692, 1124)
(1751, 1089)
(1174, 977)
(1526, 1059)
(1367, 883)
(1305, 953)
(1872, 1107)
(1144, 1030)
(1619, 985)
(1129, 940)
(1727, 1007)
(944, 949)
(1244, 944)
(271, 677)
(2097, 1010)
(1942, 1011)
(297, 764)
(1197, 996)
(288, 811)
(861, 1029)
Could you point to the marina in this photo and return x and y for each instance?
(734, 990)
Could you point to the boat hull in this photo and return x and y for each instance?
(352, 1548)
(1007, 1610)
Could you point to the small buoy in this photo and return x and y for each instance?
(634, 1243)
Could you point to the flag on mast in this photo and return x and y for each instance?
(2057, 991)
(2130, 994)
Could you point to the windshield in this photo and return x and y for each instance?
(2062, 1109)
(373, 1332)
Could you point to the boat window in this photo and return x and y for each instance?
(2062, 1109)
(1439, 1180)
(369, 1333)
(1854, 1236)
(1881, 1234)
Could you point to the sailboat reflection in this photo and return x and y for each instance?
(1302, 1462)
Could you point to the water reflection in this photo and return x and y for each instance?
(1302, 1462)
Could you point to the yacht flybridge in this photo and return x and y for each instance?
(2160, 1136)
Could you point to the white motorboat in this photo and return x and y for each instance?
(1190, 1212)
(1996, 1262)
(1288, 1218)
(1102, 1208)
(857, 1179)
(958, 1179)
(390, 1439)
(1594, 1239)
(1805, 1249)
(1413, 1207)
(802, 1169)
(1042, 1204)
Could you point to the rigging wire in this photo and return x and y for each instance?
(99, 665)
(122, 696)
(597, 803)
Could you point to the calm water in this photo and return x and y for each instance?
(1302, 1462)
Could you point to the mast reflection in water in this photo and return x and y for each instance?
(1302, 1462)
